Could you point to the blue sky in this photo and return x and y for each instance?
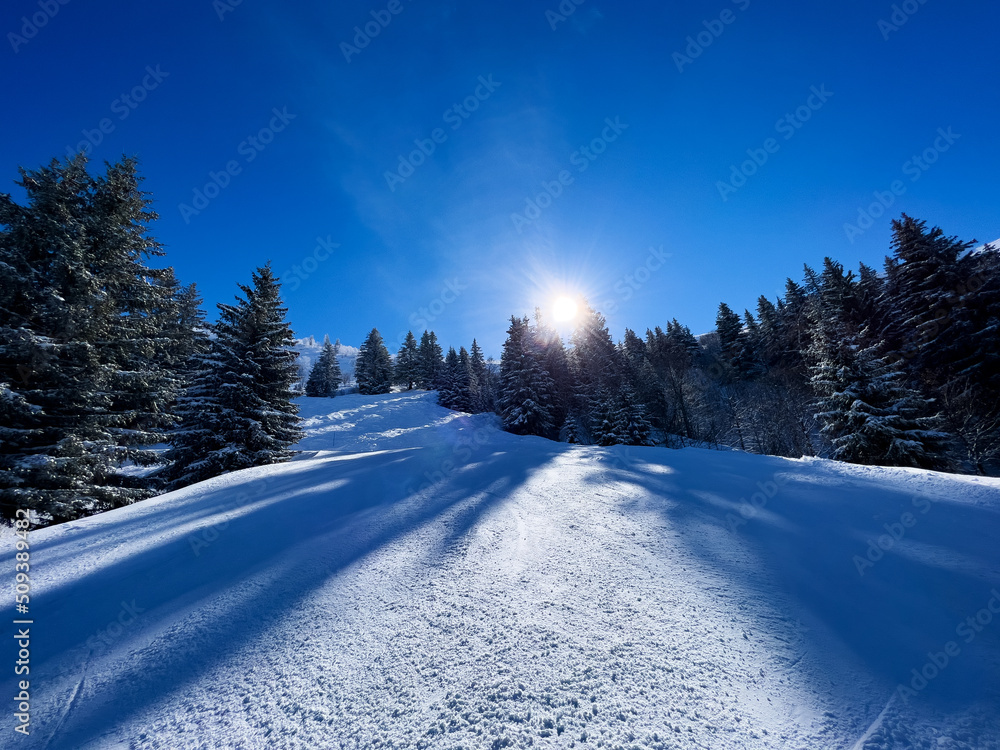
(832, 103)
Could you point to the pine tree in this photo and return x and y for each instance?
(255, 374)
(750, 361)
(631, 424)
(923, 278)
(325, 377)
(551, 354)
(479, 381)
(731, 338)
(373, 369)
(198, 445)
(594, 358)
(595, 366)
(770, 331)
(448, 385)
(463, 382)
(431, 361)
(524, 385)
(605, 425)
(407, 370)
(85, 340)
(866, 412)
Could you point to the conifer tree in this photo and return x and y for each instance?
(431, 361)
(631, 425)
(923, 278)
(373, 369)
(85, 345)
(595, 367)
(867, 412)
(554, 360)
(523, 401)
(448, 387)
(730, 330)
(198, 445)
(407, 370)
(325, 377)
(463, 382)
(605, 425)
(253, 376)
(479, 381)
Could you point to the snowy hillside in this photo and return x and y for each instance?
(309, 350)
(419, 579)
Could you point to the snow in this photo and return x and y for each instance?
(995, 244)
(309, 349)
(419, 579)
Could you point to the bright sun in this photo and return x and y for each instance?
(563, 310)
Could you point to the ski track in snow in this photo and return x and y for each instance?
(433, 582)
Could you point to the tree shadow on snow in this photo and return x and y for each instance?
(209, 600)
(802, 528)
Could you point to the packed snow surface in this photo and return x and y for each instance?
(419, 579)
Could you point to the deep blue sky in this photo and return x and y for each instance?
(450, 222)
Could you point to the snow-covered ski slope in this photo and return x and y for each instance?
(420, 579)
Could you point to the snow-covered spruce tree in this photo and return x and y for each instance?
(455, 381)
(594, 366)
(198, 444)
(258, 372)
(631, 424)
(373, 369)
(553, 358)
(407, 370)
(325, 378)
(923, 277)
(188, 333)
(866, 411)
(431, 361)
(478, 379)
(604, 424)
(463, 382)
(974, 352)
(190, 351)
(83, 344)
(448, 388)
(239, 412)
(523, 398)
(731, 338)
